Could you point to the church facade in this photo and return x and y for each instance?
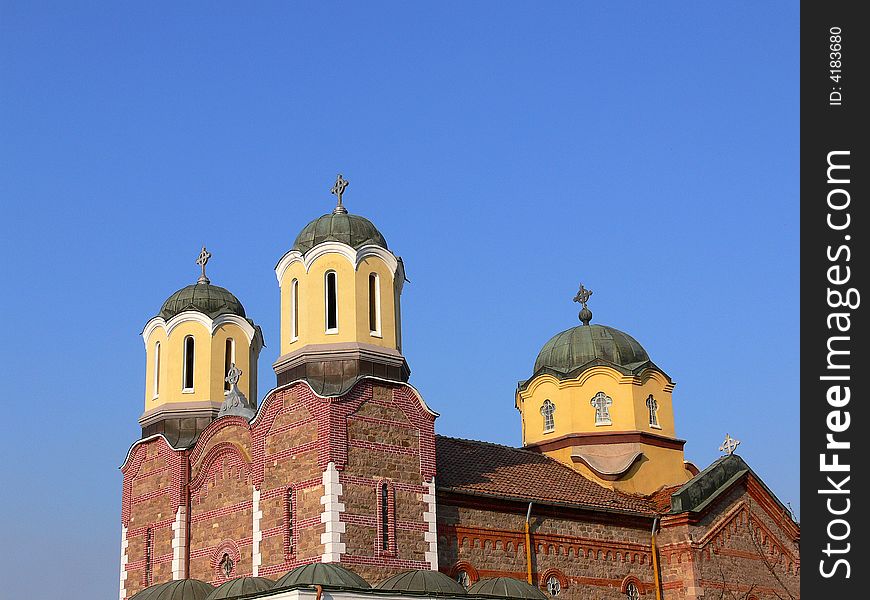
(337, 480)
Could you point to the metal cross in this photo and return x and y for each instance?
(582, 295)
(233, 375)
(338, 191)
(202, 261)
(729, 445)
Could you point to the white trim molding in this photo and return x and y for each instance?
(257, 535)
(430, 517)
(354, 257)
(331, 538)
(179, 544)
(122, 594)
(194, 316)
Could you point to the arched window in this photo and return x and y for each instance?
(547, 410)
(188, 363)
(294, 310)
(554, 586)
(156, 369)
(653, 407)
(463, 578)
(631, 592)
(374, 304)
(229, 360)
(226, 565)
(602, 402)
(331, 302)
(385, 517)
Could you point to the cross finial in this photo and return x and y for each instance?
(583, 297)
(729, 445)
(233, 375)
(202, 261)
(338, 191)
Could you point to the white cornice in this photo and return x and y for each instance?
(194, 316)
(354, 257)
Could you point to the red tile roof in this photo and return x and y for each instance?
(483, 468)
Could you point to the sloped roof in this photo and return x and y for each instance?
(486, 469)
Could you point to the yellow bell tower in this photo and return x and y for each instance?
(192, 344)
(340, 304)
(597, 403)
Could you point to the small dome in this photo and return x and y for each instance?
(211, 300)
(180, 589)
(422, 581)
(353, 230)
(241, 586)
(506, 587)
(590, 345)
(326, 574)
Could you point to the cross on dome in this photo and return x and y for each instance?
(202, 261)
(338, 191)
(583, 297)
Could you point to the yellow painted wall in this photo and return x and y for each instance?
(208, 373)
(575, 415)
(353, 303)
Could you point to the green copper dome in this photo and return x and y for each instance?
(180, 589)
(325, 574)
(589, 345)
(241, 586)
(211, 300)
(422, 581)
(353, 230)
(506, 587)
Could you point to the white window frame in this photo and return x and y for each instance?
(376, 332)
(156, 381)
(294, 310)
(327, 329)
(549, 421)
(653, 408)
(602, 415)
(184, 388)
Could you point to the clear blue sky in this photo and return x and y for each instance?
(506, 150)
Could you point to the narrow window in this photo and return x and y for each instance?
(385, 517)
(156, 369)
(632, 592)
(653, 407)
(547, 410)
(602, 402)
(226, 565)
(374, 304)
(188, 363)
(229, 360)
(149, 555)
(331, 303)
(462, 578)
(288, 520)
(294, 310)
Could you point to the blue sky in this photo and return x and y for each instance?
(506, 150)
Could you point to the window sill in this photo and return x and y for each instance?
(331, 331)
(295, 339)
(546, 431)
(655, 426)
(187, 391)
(376, 334)
(604, 424)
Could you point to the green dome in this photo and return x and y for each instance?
(326, 574)
(241, 586)
(506, 587)
(211, 300)
(180, 589)
(353, 230)
(423, 581)
(589, 345)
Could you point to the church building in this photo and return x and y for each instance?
(336, 485)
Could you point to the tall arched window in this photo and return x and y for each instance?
(547, 411)
(294, 310)
(188, 363)
(331, 302)
(156, 369)
(374, 304)
(653, 407)
(229, 360)
(288, 523)
(602, 403)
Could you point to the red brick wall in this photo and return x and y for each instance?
(592, 557)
